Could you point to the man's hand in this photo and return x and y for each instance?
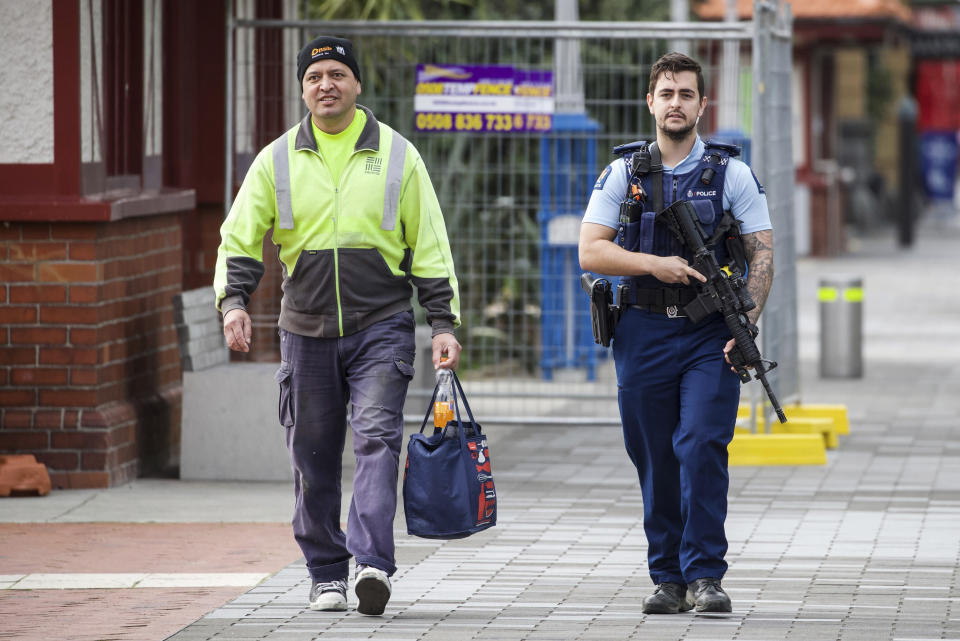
(238, 330)
(726, 351)
(674, 269)
(446, 344)
(726, 354)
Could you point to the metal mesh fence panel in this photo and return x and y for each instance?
(513, 201)
(774, 166)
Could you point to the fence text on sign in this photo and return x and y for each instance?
(490, 98)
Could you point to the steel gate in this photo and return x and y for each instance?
(512, 201)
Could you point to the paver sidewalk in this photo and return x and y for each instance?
(866, 547)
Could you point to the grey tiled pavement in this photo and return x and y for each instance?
(865, 547)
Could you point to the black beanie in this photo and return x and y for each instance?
(324, 47)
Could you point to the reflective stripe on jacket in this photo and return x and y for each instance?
(349, 251)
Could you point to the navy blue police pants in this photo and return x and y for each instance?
(678, 404)
(319, 377)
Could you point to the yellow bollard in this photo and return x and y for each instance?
(776, 449)
(814, 410)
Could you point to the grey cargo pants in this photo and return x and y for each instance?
(318, 377)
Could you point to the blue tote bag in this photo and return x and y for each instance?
(448, 490)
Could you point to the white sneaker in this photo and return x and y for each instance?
(330, 596)
(373, 590)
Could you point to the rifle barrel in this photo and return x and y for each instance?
(773, 399)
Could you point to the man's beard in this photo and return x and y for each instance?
(679, 135)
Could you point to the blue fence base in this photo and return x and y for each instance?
(568, 165)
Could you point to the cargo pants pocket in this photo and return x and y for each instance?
(404, 363)
(285, 406)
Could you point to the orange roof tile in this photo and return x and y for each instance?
(812, 9)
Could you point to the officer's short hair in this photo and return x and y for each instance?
(675, 62)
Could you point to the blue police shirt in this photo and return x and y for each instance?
(742, 193)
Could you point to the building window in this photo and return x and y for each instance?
(121, 80)
(123, 88)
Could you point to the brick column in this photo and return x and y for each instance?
(89, 368)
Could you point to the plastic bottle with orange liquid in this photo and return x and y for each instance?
(443, 403)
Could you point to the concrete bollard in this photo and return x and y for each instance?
(841, 327)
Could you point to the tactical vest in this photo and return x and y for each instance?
(642, 234)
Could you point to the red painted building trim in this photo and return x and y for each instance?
(194, 82)
(123, 69)
(62, 177)
(77, 209)
(24, 179)
(66, 98)
(53, 208)
(858, 32)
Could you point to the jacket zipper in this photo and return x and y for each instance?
(336, 238)
(336, 256)
(336, 242)
(336, 234)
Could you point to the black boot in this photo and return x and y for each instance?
(668, 598)
(707, 596)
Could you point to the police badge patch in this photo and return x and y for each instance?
(602, 179)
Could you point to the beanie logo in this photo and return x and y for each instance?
(316, 52)
(341, 50)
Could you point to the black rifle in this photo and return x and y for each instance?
(603, 313)
(724, 293)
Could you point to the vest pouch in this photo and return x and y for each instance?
(736, 255)
(705, 212)
(664, 243)
(631, 236)
(638, 235)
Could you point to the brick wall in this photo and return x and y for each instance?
(89, 367)
(201, 238)
(264, 309)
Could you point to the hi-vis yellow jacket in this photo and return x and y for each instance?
(349, 251)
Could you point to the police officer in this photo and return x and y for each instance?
(678, 395)
(355, 220)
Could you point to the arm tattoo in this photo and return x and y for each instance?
(758, 247)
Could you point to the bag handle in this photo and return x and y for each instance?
(429, 408)
(456, 406)
(461, 430)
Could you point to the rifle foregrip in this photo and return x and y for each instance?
(745, 343)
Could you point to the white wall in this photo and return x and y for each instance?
(26, 81)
